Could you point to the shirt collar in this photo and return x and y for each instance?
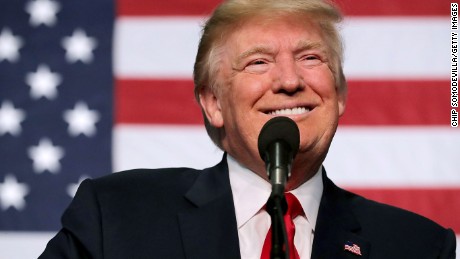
(309, 195)
(250, 193)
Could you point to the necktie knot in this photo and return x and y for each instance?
(294, 207)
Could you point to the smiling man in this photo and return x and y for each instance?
(275, 65)
(257, 59)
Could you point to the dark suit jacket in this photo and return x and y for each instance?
(186, 213)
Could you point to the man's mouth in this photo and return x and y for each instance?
(292, 111)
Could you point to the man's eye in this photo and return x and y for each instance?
(257, 66)
(311, 57)
(311, 60)
(257, 62)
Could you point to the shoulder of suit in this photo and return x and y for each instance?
(142, 174)
(374, 213)
(142, 180)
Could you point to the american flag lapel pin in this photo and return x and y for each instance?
(352, 248)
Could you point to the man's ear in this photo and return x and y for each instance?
(342, 101)
(211, 106)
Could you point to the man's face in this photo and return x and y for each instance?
(275, 67)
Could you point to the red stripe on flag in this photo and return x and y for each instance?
(369, 102)
(440, 205)
(156, 101)
(398, 103)
(161, 7)
(395, 7)
(350, 7)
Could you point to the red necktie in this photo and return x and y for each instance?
(294, 210)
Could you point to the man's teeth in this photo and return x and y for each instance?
(293, 111)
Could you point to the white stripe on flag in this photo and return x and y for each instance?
(23, 244)
(393, 48)
(157, 146)
(358, 157)
(156, 47)
(395, 157)
(374, 47)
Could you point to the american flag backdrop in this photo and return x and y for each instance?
(92, 87)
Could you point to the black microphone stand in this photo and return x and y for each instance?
(276, 204)
(277, 207)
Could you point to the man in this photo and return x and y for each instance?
(257, 59)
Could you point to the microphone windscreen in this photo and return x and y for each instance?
(276, 129)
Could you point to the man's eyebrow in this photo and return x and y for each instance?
(307, 45)
(302, 45)
(252, 51)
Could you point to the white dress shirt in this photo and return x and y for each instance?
(250, 193)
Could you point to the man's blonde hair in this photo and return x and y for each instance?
(228, 15)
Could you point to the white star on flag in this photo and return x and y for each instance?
(43, 83)
(45, 156)
(79, 47)
(81, 120)
(42, 12)
(12, 193)
(73, 187)
(9, 46)
(10, 119)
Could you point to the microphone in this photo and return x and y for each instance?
(278, 144)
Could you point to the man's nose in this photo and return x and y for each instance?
(289, 78)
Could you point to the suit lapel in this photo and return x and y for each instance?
(209, 229)
(337, 227)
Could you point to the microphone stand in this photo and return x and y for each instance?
(277, 207)
(276, 204)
